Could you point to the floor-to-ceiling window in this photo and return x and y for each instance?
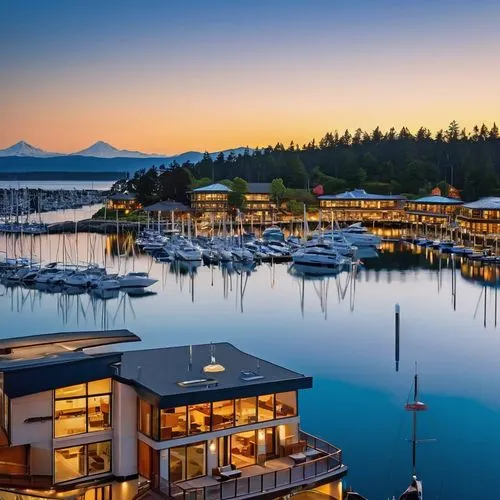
(266, 407)
(243, 449)
(286, 404)
(187, 462)
(199, 418)
(246, 411)
(145, 460)
(80, 461)
(222, 414)
(173, 422)
(82, 408)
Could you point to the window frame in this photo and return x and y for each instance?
(86, 398)
(85, 476)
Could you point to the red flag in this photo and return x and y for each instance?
(436, 192)
(318, 190)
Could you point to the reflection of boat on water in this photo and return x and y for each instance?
(313, 272)
(139, 292)
(104, 293)
(185, 266)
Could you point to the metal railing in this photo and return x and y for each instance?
(329, 460)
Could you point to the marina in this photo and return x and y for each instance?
(337, 325)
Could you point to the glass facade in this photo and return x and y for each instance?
(82, 408)
(80, 461)
(166, 424)
(187, 462)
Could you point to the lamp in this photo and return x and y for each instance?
(213, 367)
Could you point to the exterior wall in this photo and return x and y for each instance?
(124, 430)
(32, 406)
(479, 221)
(209, 202)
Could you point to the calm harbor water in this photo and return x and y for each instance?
(339, 329)
(57, 185)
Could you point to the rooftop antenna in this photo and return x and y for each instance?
(213, 367)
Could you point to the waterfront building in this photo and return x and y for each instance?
(258, 200)
(212, 422)
(481, 217)
(212, 199)
(123, 202)
(358, 205)
(433, 209)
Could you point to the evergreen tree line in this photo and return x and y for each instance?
(379, 161)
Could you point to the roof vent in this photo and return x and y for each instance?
(249, 376)
(213, 367)
(198, 382)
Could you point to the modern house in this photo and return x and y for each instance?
(258, 200)
(358, 205)
(481, 217)
(212, 199)
(433, 209)
(212, 422)
(122, 202)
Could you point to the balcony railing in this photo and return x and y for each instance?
(330, 460)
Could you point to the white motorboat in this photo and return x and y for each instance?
(107, 284)
(188, 252)
(358, 235)
(321, 254)
(135, 280)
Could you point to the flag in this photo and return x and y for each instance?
(318, 190)
(436, 192)
(453, 193)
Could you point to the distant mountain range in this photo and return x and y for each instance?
(103, 149)
(22, 161)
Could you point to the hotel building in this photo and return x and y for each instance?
(258, 200)
(358, 205)
(481, 217)
(196, 422)
(212, 199)
(122, 202)
(434, 209)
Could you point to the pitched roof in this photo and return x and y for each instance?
(122, 197)
(258, 187)
(360, 194)
(167, 206)
(213, 188)
(490, 202)
(438, 200)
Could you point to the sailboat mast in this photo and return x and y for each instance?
(414, 436)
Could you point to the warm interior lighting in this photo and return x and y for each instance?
(213, 447)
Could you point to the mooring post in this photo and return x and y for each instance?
(396, 326)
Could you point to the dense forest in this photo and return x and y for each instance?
(379, 161)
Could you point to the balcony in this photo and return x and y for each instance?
(323, 461)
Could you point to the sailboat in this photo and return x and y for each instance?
(414, 491)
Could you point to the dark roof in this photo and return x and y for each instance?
(167, 206)
(437, 200)
(51, 348)
(157, 372)
(44, 362)
(259, 187)
(122, 197)
(360, 194)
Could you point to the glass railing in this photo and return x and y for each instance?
(329, 458)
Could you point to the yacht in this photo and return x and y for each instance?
(321, 254)
(358, 235)
(135, 280)
(188, 252)
(273, 233)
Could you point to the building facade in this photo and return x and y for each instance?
(211, 422)
(123, 202)
(481, 217)
(358, 205)
(434, 210)
(212, 200)
(258, 201)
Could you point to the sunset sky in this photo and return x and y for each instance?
(170, 76)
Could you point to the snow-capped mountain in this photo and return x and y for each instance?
(22, 148)
(102, 149)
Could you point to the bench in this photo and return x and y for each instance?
(226, 472)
